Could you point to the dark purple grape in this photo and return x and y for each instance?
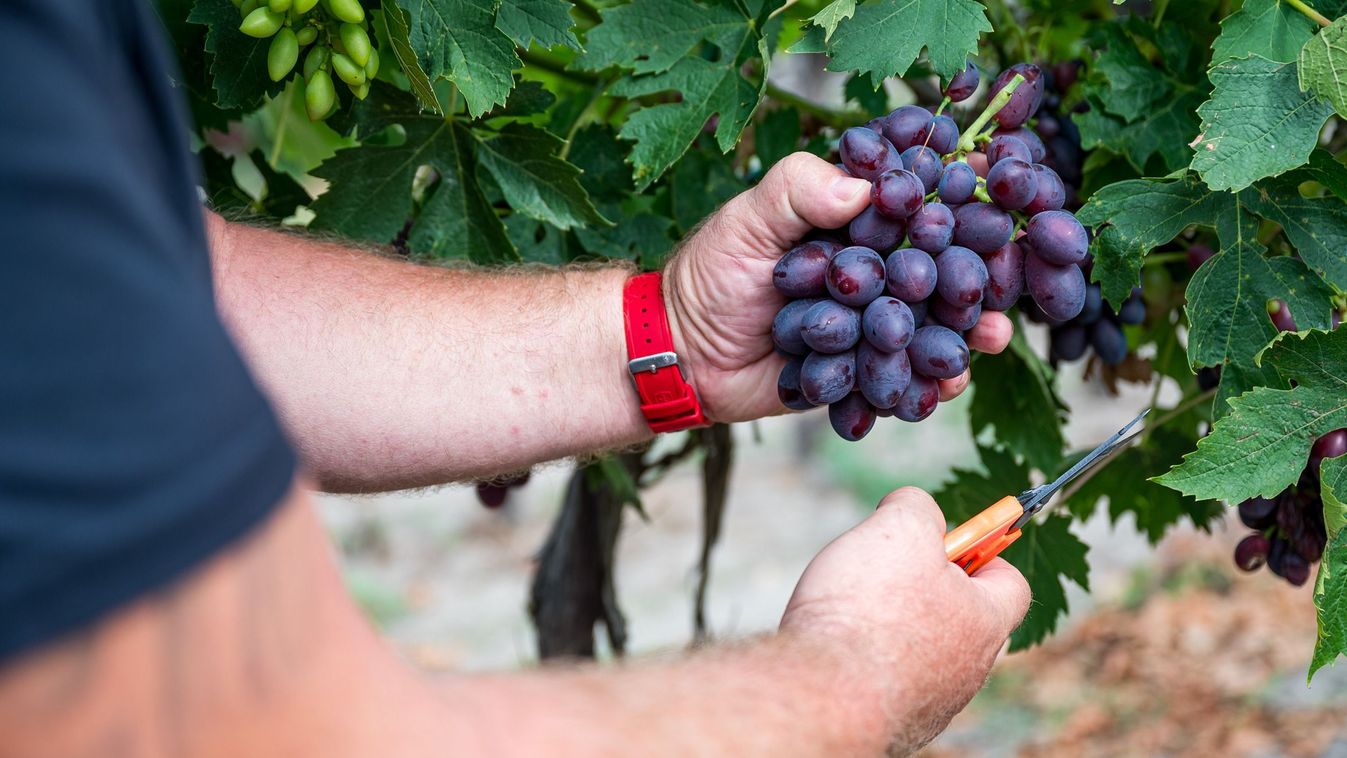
(1011, 183)
(944, 136)
(1064, 74)
(938, 352)
(881, 234)
(1208, 378)
(1295, 569)
(851, 417)
(978, 162)
(907, 126)
(492, 494)
(788, 386)
(1276, 554)
(1057, 237)
(961, 276)
(1047, 126)
(1050, 193)
(897, 194)
(1109, 342)
(1067, 342)
(1094, 305)
(866, 154)
(1028, 96)
(826, 378)
(1280, 314)
(925, 163)
(1258, 512)
(911, 275)
(1199, 254)
(1309, 543)
(830, 327)
(786, 327)
(1058, 290)
(919, 400)
(957, 183)
(1007, 146)
(1251, 552)
(1330, 445)
(882, 377)
(918, 311)
(963, 85)
(1005, 277)
(876, 125)
(856, 276)
(1037, 150)
(800, 272)
(887, 324)
(1133, 310)
(981, 227)
(931, 228)
(960, 318)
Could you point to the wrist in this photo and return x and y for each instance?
(844, 692)
(682, 325)
(657, 363)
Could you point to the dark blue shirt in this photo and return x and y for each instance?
(134, 444)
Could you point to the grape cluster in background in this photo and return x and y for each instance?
(872, 323)
(336, 35)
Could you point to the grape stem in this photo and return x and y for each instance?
(966, 142)
(1309, 12)
(943, 105)
(1160, 259)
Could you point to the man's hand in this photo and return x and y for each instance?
(917, 634)
(720, 295)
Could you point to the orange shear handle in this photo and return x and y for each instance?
(976, 541)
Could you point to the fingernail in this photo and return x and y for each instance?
(848, 188)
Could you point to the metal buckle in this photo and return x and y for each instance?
(652, 363)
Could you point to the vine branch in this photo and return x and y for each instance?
(840, 119)
(1309, 12)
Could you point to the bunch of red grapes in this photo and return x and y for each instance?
(878, 310)
(494, 492)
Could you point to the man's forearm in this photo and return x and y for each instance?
(391, 375)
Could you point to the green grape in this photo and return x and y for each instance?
(347, 70)
(262, 23)
(349, 11)
(237, 3)
(303, 6)
(246, 7)
(361, 91)
(319, 95)
(372, 65)
(280, 6)
(306, 36)
(282, 54)
(316, 59)
(356, 42)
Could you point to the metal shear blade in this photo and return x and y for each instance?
(1034, 499)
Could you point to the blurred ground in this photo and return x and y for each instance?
(1172, 653)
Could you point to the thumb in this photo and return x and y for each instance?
(799, 193)
(1004, 589)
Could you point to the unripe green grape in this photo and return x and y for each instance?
(356, 42)
(347, 70)
(303, 6)
(280, 6)
(282, 54)
(262, 23)
(349, 11)
(315, 60)
(372, 65)
(319, 95)
(306, 36)
(246, 7)
(237, 3)
(360, 91)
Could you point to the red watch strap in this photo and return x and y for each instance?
(668, 402)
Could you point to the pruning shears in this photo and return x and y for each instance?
(976, 541)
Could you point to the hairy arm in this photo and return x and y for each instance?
(260, 652)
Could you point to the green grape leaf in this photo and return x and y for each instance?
(1047, 553)
(872, 99)
(833, 14)
(239, 62)
(652, 36)
(458, 40)
(536, 241)
(548, 22)
(884, 37)
(601, 156)
(370, 187)
(1323, 65)
(1326, 170)
(1317, 226)
(662, 133)
(1236, 379)
(1227, 296)
(1330, 588)
(527, 99)
(1256, 124)
(1028, 420)
(1260, 446)
(776, 136)
(393, 23)
(1267, 28)
(523, 160)
(1164, 130)
(698, 184)
(1136, 216)
(644, 237)
(1134, 84)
